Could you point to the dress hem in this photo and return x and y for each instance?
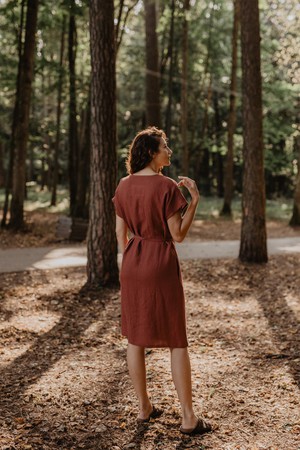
(155, 346)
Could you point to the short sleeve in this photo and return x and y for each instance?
(175, 201)
(117, 205)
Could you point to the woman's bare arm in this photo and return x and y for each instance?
(179, 226)
(122, 233)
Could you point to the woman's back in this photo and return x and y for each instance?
(145, 202)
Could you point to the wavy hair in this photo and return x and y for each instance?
(142, 148)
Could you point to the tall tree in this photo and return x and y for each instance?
(228, 176)
(217, 156)
(184, 90)
(73, 126)
(2, 172)
(295, 219)
(170, 73)
(58, 112)
(9, 174)
(121, 23)
(102, 266)
(152, 66)
(202, 156)
(22, 126)
(84, 147)
(253, 246)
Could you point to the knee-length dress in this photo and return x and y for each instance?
(152, 296)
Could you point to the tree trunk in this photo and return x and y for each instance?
(202, 165)
(102, 266)
(218, 159)
(184, 95)
(253, 246)
(73, 129)
(9, 174)
(81, 210)
(119, 29)
(170, 75)
(201, 153)
(295, 219)
(228, 177)
(58, 113)
(2, 172)
(22, 126)
(152, 66)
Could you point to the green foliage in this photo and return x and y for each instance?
(209, 65)
(276, 209)
(208, 208)
(38, 200)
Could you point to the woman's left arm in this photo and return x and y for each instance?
(122, 233)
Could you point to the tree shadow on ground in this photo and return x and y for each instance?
(46, 350)
(10, 281)
(283, 322)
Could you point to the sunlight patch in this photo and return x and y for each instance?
(293, 303)
(40, 322)
(10, 353)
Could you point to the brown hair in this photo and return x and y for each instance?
(143, 146)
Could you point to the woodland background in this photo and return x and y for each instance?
(199, 64)
(78, 79)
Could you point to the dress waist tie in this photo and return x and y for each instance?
(154, 239)
(150, 239)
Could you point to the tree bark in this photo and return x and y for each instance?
(295, 219)
(253, 247)
(170, 74)
(73, 128)
(81, 210)
(228, 176)
(202, 166)
(9, 174)
(184, 94)
(217, 157)
(201, 157)
(152, 66)
(22, 126)
(102, 266)
(119, 34)
(58, 113)
(2, 172)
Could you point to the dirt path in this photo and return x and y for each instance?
(63, 371)
(20, 259)
(42, 231)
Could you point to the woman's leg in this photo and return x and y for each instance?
(181, 374)
(137, 372)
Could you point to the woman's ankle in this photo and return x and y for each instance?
(189, 420)
(145, 409)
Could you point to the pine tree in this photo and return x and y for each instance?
(102, 266)
(253, 246)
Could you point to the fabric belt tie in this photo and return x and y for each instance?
(140, 238)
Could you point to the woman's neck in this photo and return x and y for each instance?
(149, 170)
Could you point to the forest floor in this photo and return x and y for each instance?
(63, 361)
(41, 231)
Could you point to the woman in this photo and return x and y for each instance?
(151, 206)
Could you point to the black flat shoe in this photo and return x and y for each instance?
(201, 428)
(153, 415)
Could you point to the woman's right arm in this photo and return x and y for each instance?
(122, 233)
(179, 226)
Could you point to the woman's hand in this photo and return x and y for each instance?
(191, 187)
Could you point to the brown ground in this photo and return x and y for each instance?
(41, 231)
(64, 376)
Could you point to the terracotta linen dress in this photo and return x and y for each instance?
(152, 297)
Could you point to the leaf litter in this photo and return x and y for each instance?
(64, 380)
